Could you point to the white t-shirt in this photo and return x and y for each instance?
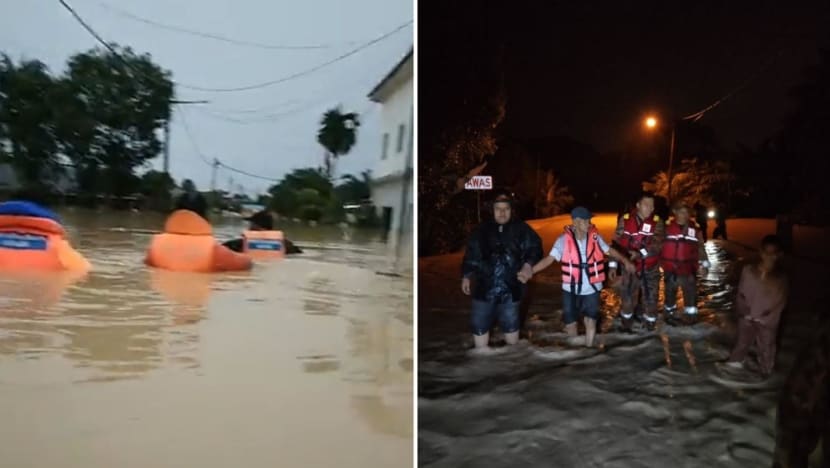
(581, 244)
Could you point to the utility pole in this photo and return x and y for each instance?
(167, 132)
(671, 163)
(215, 166)
(167, 146)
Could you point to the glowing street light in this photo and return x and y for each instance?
(651, 124)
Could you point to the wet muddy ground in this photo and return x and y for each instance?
(642, 400)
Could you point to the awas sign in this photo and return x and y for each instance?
(482, 182)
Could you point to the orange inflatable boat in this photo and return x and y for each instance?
(187, 244)
(263, 244)
(29, 243)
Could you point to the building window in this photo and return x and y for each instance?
(385, 149)
(400, 137)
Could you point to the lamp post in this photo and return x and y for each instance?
(651, 124)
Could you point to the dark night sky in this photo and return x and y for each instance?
(591, 71)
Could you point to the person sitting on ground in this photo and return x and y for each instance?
(762, 297)
(192, 200)
(261, 221)
(581, 250)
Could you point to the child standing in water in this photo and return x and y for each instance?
(762, 296)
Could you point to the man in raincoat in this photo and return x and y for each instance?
(496, 252)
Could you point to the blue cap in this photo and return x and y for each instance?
(580, 212)
(27, 208)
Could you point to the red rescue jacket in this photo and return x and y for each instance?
(639, 235)
(679, 253)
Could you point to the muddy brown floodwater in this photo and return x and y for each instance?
(302, 362)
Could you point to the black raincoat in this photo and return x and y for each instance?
(495, 254)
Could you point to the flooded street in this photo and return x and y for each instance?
(642, 400)
(301, 362)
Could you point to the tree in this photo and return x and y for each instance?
(353, 189)
(803, 146)
(694, 181)
(157, 187)
(304, 193)
(554, 198)
(27, 120)
(119, 103)
(460, 141)
(337, 134)
(310, 195)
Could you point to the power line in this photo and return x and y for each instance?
(217, 162)
(214, 36)
(240, 171)
(257, 110)
(92, 31)
(242, 88)
(193, 140)
(302, 73)
(699, 114)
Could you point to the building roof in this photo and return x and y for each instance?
(401, 72)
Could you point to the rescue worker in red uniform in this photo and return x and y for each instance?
(581, 250)
(640, 233)
(682, 256)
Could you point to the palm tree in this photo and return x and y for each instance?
(337, 134)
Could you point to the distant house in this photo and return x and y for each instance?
(392, 185)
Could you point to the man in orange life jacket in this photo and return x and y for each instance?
(682, 253)
(640, 233)
(581, 251)
(261, 221)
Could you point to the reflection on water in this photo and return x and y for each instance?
(259, 368)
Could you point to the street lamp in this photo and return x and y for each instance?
(651, 123)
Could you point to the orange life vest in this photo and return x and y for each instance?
(187, 244)
(263, 244)
(30, 243)
(679, 253)
(573, 262)
(638, 235)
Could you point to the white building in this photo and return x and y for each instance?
(392, 183)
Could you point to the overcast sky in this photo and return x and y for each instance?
(281, 121)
